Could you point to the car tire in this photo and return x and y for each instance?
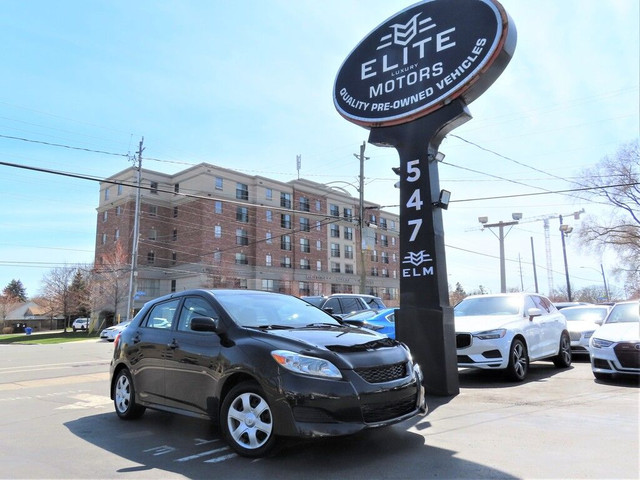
(563, 359)
(246, 420)
(124, 397)
(518, 361)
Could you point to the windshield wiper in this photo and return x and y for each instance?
(322, 324)
(271, 327)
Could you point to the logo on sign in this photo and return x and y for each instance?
(417, 259)
(421, 59)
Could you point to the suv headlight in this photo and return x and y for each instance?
(295, 362)
(491, 334)
(600, 343)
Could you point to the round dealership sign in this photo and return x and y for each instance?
(423, 58)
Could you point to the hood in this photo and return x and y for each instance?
(482, 323)
(581, 326)
(619, 332)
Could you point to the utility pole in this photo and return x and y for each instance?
(533, 257)
(363, 273)
(136, 234)
(564, 231)
(500, 225)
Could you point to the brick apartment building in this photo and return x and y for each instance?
(208, 226)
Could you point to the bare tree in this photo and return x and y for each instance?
(8, 303)
(617, 182)
(57, 291)
(110, 281)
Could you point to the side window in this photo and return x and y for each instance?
(334, 304)
(194, 307)
(541, 304)
(351, 305)
(161, 315)
(528, 303)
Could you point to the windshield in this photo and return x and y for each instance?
(595, 314)
(624, 312)
(317, 301)
(272, 310)
(488, 306)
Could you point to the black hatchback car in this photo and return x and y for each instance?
(261, 365)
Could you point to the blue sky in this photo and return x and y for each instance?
(248, 85)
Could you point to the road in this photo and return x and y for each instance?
(57, 421)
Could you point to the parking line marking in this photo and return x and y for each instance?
(48, 382)
(221, 459)
(203, 454)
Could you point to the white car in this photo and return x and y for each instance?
(110, 333)
(582, 321)
(615, 346)
(507, 331)
(80, 324)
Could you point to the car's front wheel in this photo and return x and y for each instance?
(518, 361)
(246, 420)
(124, 398)
(563, 359)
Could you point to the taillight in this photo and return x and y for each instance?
(115, 342)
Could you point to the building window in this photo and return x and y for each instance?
(335, 267)
(241, 237)
(318, 206)
(267, 285)
(118, 211)
(154, 188)
(334, 210)
(303, 288)
(217, 231)
(393, 257)
(285, 242)
(384, 257)
(304, 204)
(153, 235)
(106, 194)
(304, 245)
(269, 215)
(176, 188)
(374, 256)
(384, 240)
(173, 286)
(119, 189)
(348, 233)
(267, 260)
(151, 258)
(374, 271)
(304, 264)
(372, 219)
(319, 265)
(285, 220)
(348, 251)
(335, 231)
(219, 183)
(117, 235)
(242, 214)
(304, 225)
(105, 216)
(241, 259)
(175, 212)
(348, 213)
(392, 224)
(153, 211)
(318, 225)
(393, 241)
(175, 234)
(268, 194)
(242, 191)
(285, 200)
(335, 250)
(383, 223)
(217, 257)
(348, 268)
(217, 208)
(319, 245)
(385, 272)
(104, 238)
(286, 262)
(268, 237)
(174, 257)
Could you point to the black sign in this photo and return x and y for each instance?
(422, 58)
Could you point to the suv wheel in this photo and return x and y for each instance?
(246, 420)
(563, 359)
(518, 361)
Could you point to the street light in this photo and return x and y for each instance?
(501, 235)
(564, 231)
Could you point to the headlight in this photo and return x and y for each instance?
(600, 343)
(372, 326)
(491, 334)
(305, 365)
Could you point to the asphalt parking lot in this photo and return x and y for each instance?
(58, 422)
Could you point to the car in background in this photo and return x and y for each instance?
(80, 324)
(582, 321)
(562, 305)
(262, 365)
(341, 304)
(381, 321)
(614, 348)
(507, 331)
(110, 333)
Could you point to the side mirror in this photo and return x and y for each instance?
(204, 324)
(534, 312)
(329, 310)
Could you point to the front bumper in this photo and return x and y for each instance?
(473, 352)
(316, 407)
(620, 358)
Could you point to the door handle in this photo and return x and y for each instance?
(173, 345)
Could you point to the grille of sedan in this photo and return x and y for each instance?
(380, 412)
(463, 340)
(628, 355)
(384, 373)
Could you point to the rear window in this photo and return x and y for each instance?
(375, 302)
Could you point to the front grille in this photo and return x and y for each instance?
(384, 373)
(600, 363)
(575, 336)
(628, 355)
(380, 412)
(312, 415)
(463, 340)
(464, 359)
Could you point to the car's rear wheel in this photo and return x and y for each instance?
(124, 398)
(246, 420)
(518, 361)
(563, 359)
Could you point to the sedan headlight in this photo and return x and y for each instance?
(491, 334)
(600, 343)
(295, 362)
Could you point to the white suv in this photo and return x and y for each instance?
(80, 324)
(507, 331)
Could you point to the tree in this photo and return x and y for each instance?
(16, 290)
(57, 292)
(110, 281)
(457, 295)
(617, 182)
(80, 294)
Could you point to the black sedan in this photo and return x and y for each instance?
(261, 365)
